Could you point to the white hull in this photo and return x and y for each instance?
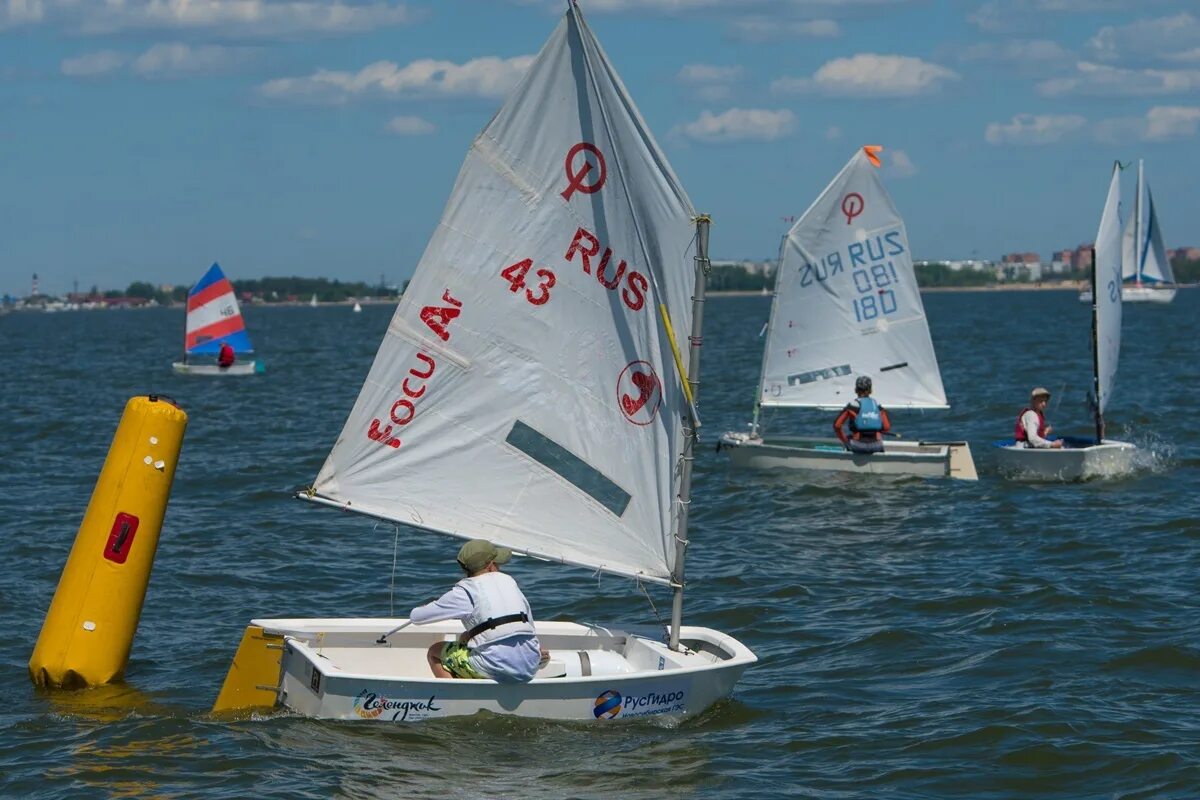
(239, 368)
(335, 669)
(899, 458)
(1086, 460)
(1137, 294)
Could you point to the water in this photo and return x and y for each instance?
(918, 639)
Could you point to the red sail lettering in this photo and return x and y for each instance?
(603, 265)
(428, 360)
(402, 403)
(634, 293)
(384, 436)
(584, 254)
(438, 318)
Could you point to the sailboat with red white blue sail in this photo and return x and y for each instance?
(214, 323)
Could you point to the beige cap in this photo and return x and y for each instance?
(1040, 391)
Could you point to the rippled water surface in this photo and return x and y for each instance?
(918, 639)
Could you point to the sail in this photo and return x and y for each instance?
(1156, 267)
(213, 316)
(1106, 288)
(847, 304)
(525, 390)
(1129, 265)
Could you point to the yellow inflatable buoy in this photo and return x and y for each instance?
(88, 631)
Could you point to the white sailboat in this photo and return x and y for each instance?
(847, 304)
(357, 308)
(1146, 271)
(529, 390)
(1082, 458)
(313, 302)
(213, 319)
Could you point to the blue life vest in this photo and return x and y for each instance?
(869, 418)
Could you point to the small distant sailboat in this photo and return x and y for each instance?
(847, 304)
(357, 308)
(214, 318)
(542, 403)
(313, 303)
(1146, 271)
(1082, 458)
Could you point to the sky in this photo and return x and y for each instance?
(145, 139)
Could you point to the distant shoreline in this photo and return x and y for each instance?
(1071, 286)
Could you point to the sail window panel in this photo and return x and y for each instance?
(568, 466)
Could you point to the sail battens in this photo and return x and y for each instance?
(526, 391)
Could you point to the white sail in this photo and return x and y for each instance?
(1156, 267)
(1106, 286)
(525, 390)
(1129, 265)
(847, 304)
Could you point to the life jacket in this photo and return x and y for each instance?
(1019, 431)
(226, 357)
(501, 611)
(869, 418)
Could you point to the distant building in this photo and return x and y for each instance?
(969, 264)
(764, 268)
(1081, 257)
(1184, 254)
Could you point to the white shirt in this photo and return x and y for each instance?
(1029, 420)
(508, 660)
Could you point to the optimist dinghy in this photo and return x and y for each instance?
(1082, 458)
(847, 304)
(1145, 268)
(530, 391)
(213, 317)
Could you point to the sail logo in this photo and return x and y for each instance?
(370, 705)
(611, 704)
(639, 392)
(575, 177)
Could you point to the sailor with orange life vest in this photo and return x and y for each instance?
(1031, 428)
(868, 421)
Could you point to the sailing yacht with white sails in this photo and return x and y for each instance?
(1146, 271)
(846, 304)
(531, 390)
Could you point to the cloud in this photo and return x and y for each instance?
(709, 81)
(410, 126)
(1167, 38)
(1160, 124)
(93, 65)
(177, 60)
(1007, 16)
(899, 165)
(165, 61)
(1103, 80)
(1018, 52)
(739, 124)
(833, 133)
(1034, 129)
(481, 77)
(239, 18)
(871, 75)
(768, 29)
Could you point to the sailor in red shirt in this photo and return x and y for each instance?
(226, 357)
(868, 421)
(1031, 428)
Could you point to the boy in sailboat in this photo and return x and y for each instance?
(226, 356)
(499, 641)
(867, 420)
(1031, 428)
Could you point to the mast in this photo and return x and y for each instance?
(762, 371)
(1139, 253)
(1096, 352)
(688, 456)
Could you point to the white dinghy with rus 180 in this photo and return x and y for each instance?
(1081, 458)
(530, 391)
(847, 304)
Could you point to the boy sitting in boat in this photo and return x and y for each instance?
(868, 421)
(226, 357)
(499, 641)
(1031, 428)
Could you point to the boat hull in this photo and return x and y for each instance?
(918, 459)
(1137, 294)
(239, 368)
(335, 669)
(1082, 459)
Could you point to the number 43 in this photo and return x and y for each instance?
(515, 275)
